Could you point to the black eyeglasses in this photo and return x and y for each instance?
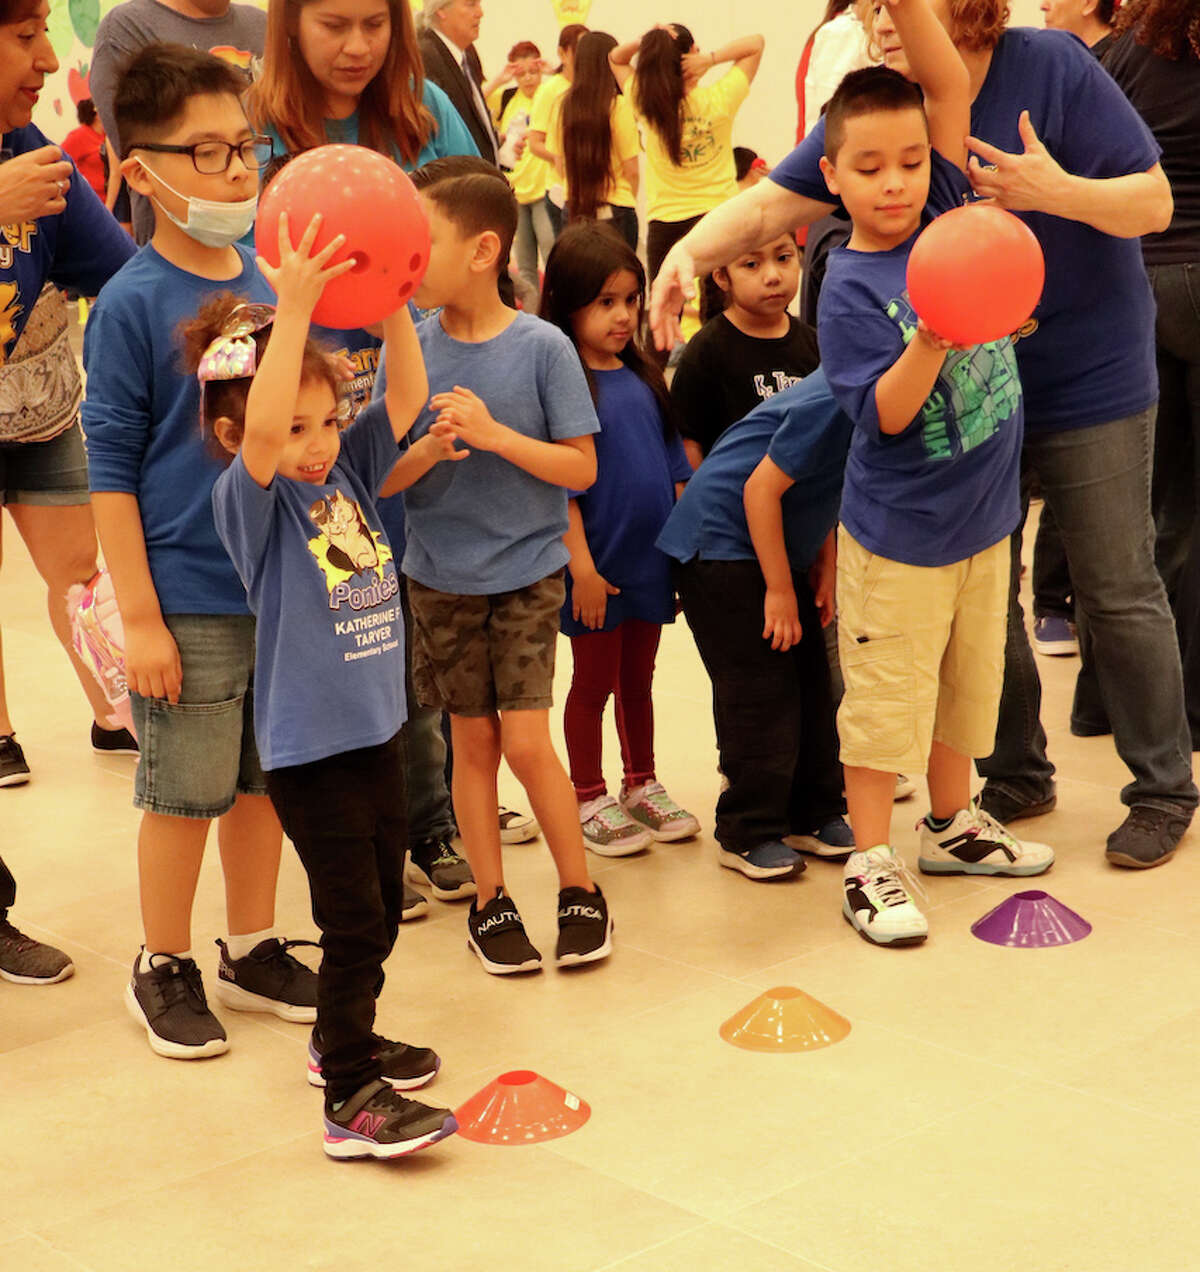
(212, 157)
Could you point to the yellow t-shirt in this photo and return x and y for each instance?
(549, 92)
(626, 145)
(707, 176)
(530, 177)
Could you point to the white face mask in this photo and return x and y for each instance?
(209, 222)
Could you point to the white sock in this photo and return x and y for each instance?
(146, 955)
(240, 946)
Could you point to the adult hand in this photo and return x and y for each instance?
(781, 619)
(589, 599)
(152, 665)
(1028, 182)
(33, 185)
(673, 288)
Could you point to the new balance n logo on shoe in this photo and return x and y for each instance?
(368, 1124)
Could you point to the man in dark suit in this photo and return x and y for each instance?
(449, 30)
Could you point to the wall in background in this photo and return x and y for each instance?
(767, 122)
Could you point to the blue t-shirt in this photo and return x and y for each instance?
(329, 658)
(361, 349)
(806, 435)
(634, 492)
(1087, 355)
(480, 525)
(81, 248)
(141, 417)
(947, 486)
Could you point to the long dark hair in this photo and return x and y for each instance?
(658, 85)
(1171, 28)
(587, 139)
(583, 258)
(568, 40)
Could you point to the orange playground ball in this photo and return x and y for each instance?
(368, 198)
(975, 274)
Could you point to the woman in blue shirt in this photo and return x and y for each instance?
(358, 78)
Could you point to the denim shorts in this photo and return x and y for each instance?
(51, 474)
(198, 754)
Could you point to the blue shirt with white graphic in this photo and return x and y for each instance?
(946, 487)
(319, 574)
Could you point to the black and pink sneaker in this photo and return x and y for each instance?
(402, 1066)
(376, 1122)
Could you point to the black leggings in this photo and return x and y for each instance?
(661, 236)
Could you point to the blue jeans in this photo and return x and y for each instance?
(535, 236)
(1097, 482)
(430, 813)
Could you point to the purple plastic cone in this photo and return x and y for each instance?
(1031, 920)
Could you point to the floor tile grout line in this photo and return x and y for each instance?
(655, 1245)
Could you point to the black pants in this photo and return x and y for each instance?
(661, 236)
(623, 220)
(775, 718)
(1053, 595)
(346, 816)
(8, 890)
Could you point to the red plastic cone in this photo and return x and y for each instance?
(521, 1108)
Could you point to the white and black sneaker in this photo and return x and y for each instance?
(877, 901)
(377, 1122)
(269, 978)
(585, 927)
(975, 843)
(402, 1066)
(497, 935)
(168, 1001)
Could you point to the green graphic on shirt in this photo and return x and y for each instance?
(697, 143)
(977, 390)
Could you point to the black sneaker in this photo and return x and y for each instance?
(517, 828)
(1005, 808)
(412, 904)
(436, 865)
(13, 769)
(584, 927)
(113, 741)
(376, 1122)
(497, 935)
(404, 1067)
(168, 1001)
(1147, 837)
(269, 979)
(25, 961)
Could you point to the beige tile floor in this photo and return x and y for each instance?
(991, 1109)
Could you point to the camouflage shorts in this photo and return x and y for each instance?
(474, 655)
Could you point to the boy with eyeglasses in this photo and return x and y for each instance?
(189, 636)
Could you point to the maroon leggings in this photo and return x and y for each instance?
(619, 662)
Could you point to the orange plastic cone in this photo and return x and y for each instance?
(785, 1019)
(521, 1108)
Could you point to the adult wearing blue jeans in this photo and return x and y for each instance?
(1068, 154)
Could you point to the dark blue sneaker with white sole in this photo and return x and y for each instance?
(376, 1122)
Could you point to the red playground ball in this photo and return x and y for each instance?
(975, 274)
(368, 198)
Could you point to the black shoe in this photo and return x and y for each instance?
(1147, 837)
(169, 1002)
(113, 741)
(412, 904)
(269, 979)
(13, 769)
(376, 1122)
(584, 927)
(403, 1067)
(497, 935)
(1005, 808)
(436, 865)
(28, 962)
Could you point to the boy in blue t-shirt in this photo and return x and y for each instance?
(931, 492)
(485, 555)
(752, 539)
(189, 636)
